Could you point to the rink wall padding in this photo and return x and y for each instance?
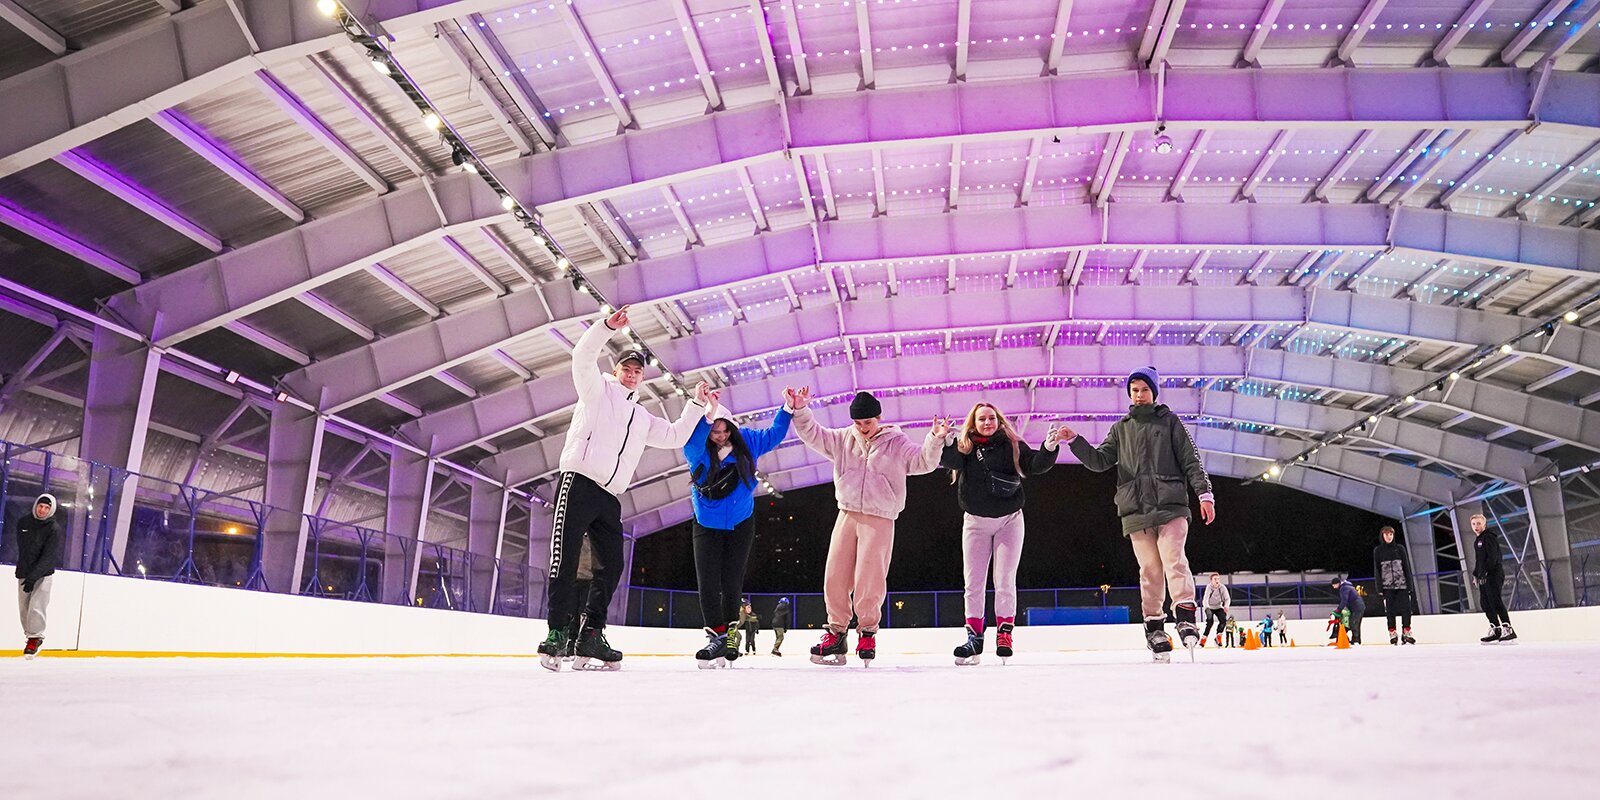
(102, 615)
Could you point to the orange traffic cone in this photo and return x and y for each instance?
(1291, 643)
(1250, 641)
(1344, 638)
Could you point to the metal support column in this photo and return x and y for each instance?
(116, 417)
(294, 455)
(1547, 516)
(485, 533)
(540, 520)
(1461, 523)
(410, 489)
(1424, 558)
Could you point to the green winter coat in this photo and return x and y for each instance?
(1155, 459)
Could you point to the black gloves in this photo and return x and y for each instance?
(27, 586)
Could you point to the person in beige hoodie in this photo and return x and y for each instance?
(870, 463)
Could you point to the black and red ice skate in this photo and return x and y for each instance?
(831, 650)
(1002, 641)
(866, 647)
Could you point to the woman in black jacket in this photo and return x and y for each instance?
(987, 461)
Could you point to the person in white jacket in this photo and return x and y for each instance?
(1217, 603)
(870, 464)
(609, 433)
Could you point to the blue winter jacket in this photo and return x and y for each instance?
(740, 504)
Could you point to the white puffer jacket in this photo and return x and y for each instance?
(610, 429)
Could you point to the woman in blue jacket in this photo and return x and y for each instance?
(722, 466)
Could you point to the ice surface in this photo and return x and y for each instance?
(1426, 721)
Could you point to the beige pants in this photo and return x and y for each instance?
(1160, 553)
(858, 562)
(31, 606)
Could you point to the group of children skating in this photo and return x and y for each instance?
(1156, 461)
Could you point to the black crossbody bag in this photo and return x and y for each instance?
(1001, 484)
(721, 482)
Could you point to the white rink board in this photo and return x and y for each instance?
(106, 614)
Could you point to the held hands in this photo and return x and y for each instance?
(1053, 438)
(797, 399)
(1065, 433)
(715, 398)
(702, 393)
(1208, 511)
(619, 320)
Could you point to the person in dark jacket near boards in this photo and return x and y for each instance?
(1157, 464)
(38, 555)
(1490, 575)
(780, 624)
(987, 462)
(1350, 603)
(1391, 568)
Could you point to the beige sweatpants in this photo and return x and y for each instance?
(1161, 555)
(31, 607)
(858, 562)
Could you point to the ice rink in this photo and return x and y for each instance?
(1440, 720)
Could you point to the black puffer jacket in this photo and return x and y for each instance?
(972, 474)
(1157, 463)
(1486, 555)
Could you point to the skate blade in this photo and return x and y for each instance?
(1162, 658)
(829, 661)
(866, 662)
(552, 663)
(966, 662)
(586, 664)
(713, 663)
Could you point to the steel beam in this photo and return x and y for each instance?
(294, 453)
(203, 146)
(1463, 26)
(116, 420)
(406, 516)
(591, 58)
(31, 26)
(1058, 36)
(1258, 36)
(318, 130)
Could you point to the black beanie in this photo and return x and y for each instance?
(865, 406)
(1150, 377)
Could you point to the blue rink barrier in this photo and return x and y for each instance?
(1098, 615)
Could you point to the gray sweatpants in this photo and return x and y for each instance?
(981, 538)
(31, 607)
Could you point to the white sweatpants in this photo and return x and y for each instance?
(1001, 539)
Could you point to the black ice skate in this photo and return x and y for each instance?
(1493, 637)
(594, 653)
(31, 649)
(553, 650)
(831, 650)
(866, 647)
(970, 651)
(1156, 638)
(714, 654)
(1405, 637)
(1394, 638)
(1507, 635)
(1002, 641)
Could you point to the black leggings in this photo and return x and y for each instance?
(719, 562)
(1397, 602)
(1494, 605)
(1220, 615)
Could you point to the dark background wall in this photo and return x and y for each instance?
(1073, 536)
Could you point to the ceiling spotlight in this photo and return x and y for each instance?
(605, 308)
(1569, 317)
(1411, 398)
(1372, 420)
(328, 7)
(380, 62)
(432, 120)
(1505, 349)
(1274, 470)
(584, 287)
(508, 202)
(1455, 376)
(563, 264)
(231, 378)
(1163, 141)
(470, 167)
(283, 397)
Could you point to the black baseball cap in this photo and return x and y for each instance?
(632, 355)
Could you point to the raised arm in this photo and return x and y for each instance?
(926, 458)
(585, 376)
(675, 434)
(830, 442)
(764, 440)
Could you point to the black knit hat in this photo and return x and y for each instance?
(865, 406)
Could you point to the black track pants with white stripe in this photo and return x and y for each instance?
(582, 507)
